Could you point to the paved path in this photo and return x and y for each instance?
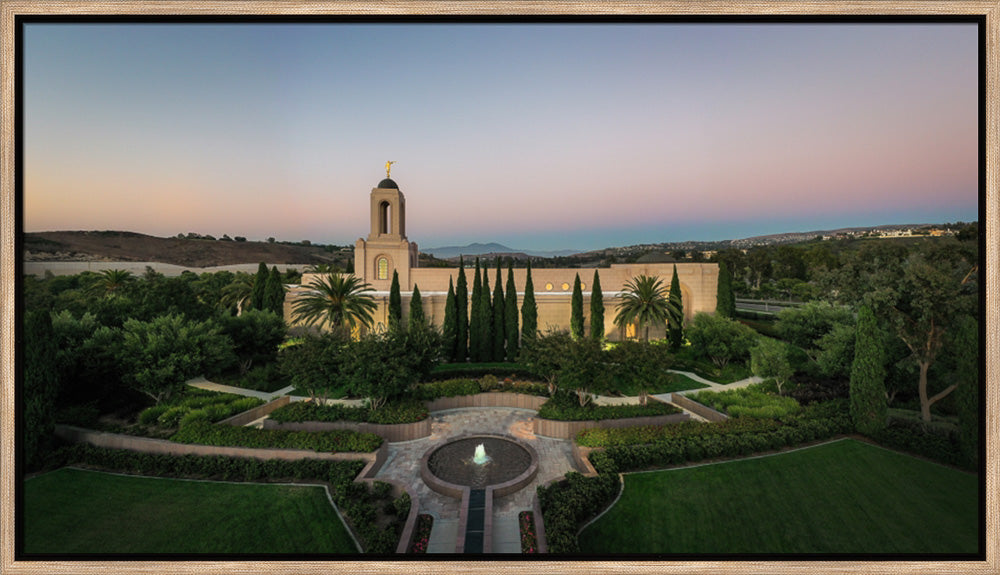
(716, 386)
(403, 464)
(202, 383)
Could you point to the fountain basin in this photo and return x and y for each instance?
(449, 469)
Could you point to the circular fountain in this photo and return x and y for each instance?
(479, 462)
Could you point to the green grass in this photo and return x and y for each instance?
(77, 511)
(674, 382)
(841, 497)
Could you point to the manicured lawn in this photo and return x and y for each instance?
(676, 382)
(77, 511)
(841, 497)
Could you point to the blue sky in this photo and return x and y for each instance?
(542, 136)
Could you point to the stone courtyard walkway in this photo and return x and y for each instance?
(403, 464)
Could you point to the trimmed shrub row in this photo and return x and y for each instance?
(931, 441)
(456, 387)
(596, 437)
(569, 503)
(564, 406)
(401, 412)
(362, 505)
(335, 441)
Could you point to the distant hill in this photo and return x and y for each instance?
(492, 249)
(135, 247)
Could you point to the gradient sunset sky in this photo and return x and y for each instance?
(538, 136)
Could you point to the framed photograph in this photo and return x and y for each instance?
(681, 288)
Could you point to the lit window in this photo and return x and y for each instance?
(548, 287)
(383, 268)
(565, 286)
(583, 286)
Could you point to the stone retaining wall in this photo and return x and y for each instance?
(488, 399)
(241, 419)
(389, 432)
(697, 408)
(568, 429)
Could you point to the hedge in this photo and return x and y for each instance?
(565, 407)
(569, 503)
(456, 387)
(931, 441)
(401, 412)
(203, 433)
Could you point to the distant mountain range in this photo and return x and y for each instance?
(491, 249)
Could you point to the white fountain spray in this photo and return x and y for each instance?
(480, 457)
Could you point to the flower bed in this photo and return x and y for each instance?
(529, 539)
(197, 406)
(389, 414)
(748, 402)
(422, 534)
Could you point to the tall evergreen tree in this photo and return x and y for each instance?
(475, 317)
(274, 292)
(485, 319)
(449, 328)
(868, 400)
(499, 318)
(259, 287)
(395, 303)
(675, 320)
(461, 314)
(41, 385)
(529, 311)
(965, 346)
(511, 331)
(725, 301)
(576, 310)
(416, 319)
(596, 309)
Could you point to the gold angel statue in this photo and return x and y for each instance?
(388, 166)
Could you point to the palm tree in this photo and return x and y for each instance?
(111, 282)
(325, 268)
(338, 300)
(237, 293)
(643, 301)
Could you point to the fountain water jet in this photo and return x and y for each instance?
(480, 456)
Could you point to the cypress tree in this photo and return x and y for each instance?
(395, 303)
(868, 401)
(965, 346)
(40, 386)
(675, 319)
(274, 292)
(461, 314)
(259, 287)
(449, 328)
(576, 310)
(485, 319)
(416, 319)
(511, 330)
(529, 311)
(725, 301)
(475, 317)
(499, 318)
(596, 309)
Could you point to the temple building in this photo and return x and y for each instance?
(387, 249)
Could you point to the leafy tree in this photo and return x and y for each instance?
(725, 300)
(499, 318)
(450, 325)
(395, 303)
(274, 293)
(584, 369)
(720, 339)
(158, 356)
(965, 346)
(803, 326)
(511, 330)
(170, 296)
(476, 317)
(256, 335)
(461, 314)
(416, 310)
(576, 310)
(41, 385)
(316, 363)
(640, 364)
(868, 399)
(342, 302)
(529, 311)
(675, 317)
(835, 351)
(759, 264)
(486, 319)
(596, 309)
(769, 360)
(546, 354)
(382, 367)
(644, 302)
(259, 287)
